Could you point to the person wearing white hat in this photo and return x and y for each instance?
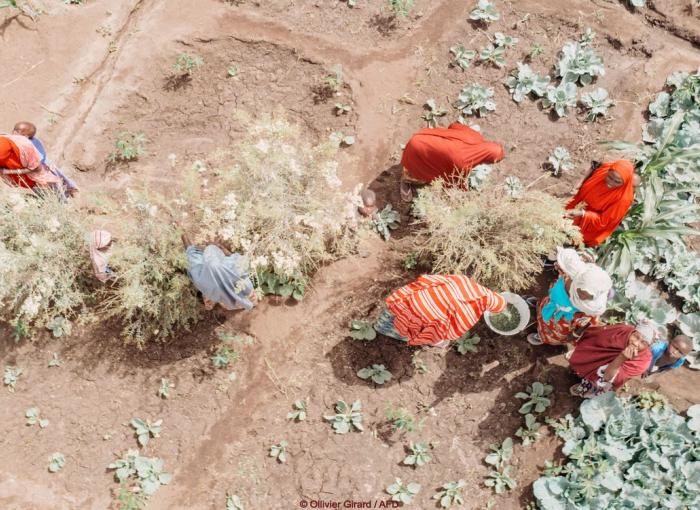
(574, 301)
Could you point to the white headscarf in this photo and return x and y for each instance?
(594, 281)
(569, 261)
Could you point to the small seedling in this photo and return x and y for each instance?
(386, 220)
(11, 376)
(130, 500)
(186, 63)
(346, 417)
(147, 472)
(20, 330)
(55, 362)
(342, 109)
(224, 356)
(378, 373)
(494, 55)
(596, 103)
(500, 455)
(433, 113)
(403, 493)
(128, 147)
(467, 343)
(513, 186)
(165, 387)
(32, 415)
(341, 139)
(536, 396)
(401, 419)
(500, 481)
(146, 429)
(335, 81)
(451, 494)
(232, 71)
(478, 176)
(505, 41)
(530, 432)
(560, 161)
(418, 456)
(233, 502)
(462, 57)
(279, 451)
(59, 326)
(401, 7)
(535, 51)
(56, 462)
(419, 364)
(485, 11)
(351, 3)
(299, 413)
(410, 261)
(362, 330)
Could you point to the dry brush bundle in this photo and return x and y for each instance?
(151, 294)
(44, 263)
(489, 235)
(277, 201)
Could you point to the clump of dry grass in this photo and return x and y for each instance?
(152, 294)
(44, 262)
(277, 200)
(496, 239)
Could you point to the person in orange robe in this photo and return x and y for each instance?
(608, 193)
(20, 164)
(432, 153)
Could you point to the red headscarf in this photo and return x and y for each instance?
(599, 346)
(437, 152)
(605, 207)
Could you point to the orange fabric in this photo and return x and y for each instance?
(10, 158)
(605, 207)
(438, 152)
(440, 307)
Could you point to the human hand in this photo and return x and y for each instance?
(630, 352)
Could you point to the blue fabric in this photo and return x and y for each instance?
(385, 326)
(559, 304)
(220, 278)
(67, 181)
(657, 350)
(40, 147)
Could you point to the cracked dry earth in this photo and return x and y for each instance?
(84, 73)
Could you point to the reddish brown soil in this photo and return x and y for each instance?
(85, 72)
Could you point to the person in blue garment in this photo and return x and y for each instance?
(667, 355)
(221, 277)
(24, 128)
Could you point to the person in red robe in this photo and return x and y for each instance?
(433, 153)
(20, 164)
(607, 194)
(608, 356)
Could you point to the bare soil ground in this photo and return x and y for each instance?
(83, 73)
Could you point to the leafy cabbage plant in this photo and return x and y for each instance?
(579, 63)
(597, 103)
(524, 82)
(475, 99)
(560, 98)
(560, 161)
(494, 55)
(485, 11)
(622, 455)
(461, 57)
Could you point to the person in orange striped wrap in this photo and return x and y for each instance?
(436, 309)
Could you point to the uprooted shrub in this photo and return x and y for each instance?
(44, 263)
(277, 201)
(151, 292)
(489, 235)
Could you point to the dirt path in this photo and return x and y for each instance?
(216, 432)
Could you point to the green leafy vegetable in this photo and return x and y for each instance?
(378, 373)
(467, 343)
(419, 455)
(536, 398)
(299, 413)
(362, 330)
(451, 494)
(279, 451)
(145, 429)
(403, 492)
(346, 417)
(56, 462)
